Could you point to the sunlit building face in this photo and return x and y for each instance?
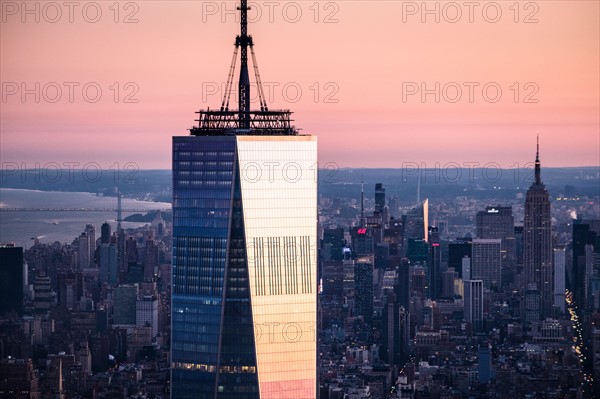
(244, 267)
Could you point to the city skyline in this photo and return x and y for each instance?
(371, 75)
(417, 251)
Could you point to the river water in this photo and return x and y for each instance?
(20, 227)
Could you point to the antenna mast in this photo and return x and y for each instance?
(243, 41)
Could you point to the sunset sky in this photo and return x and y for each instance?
(359, 57)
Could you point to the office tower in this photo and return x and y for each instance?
(395, 335)
(125, 304)
(382, 255)
(84, 251)
(417, 251)
(70, 289)
(417, 222)
(90, 230)
(109, 272)
(379, 198)
(332, 245)
(484, 365)
(150, 260)
(363, 241)
(105, 233)
(457, 251)
(393, 236)
(363, 291)
(473, 303)
(44, 296)
(434, 270)
(348, 283)
(244, 251)
(537, 240)
(402, 289)
(498, 222)
(131, 252)
(559, 277)
(146, 313)
(466, 268)
(12, 274)
(333, 278)
(486, 263)
(87, 248)
(448, 282)
(418, 281)
(586, 237)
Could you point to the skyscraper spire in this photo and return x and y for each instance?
(362, 201)
(538, 179)
(243, 41)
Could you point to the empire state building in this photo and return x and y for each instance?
(538, 241)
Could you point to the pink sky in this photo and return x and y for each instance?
(178, 48)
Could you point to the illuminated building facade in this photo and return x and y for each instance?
(244, 295)
(244, 267)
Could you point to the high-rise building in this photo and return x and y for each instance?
(105, 233)
(363, 241)
(109, 270)
(332, 245)
(84, 251)
(473, 303)
(363, 280)
(484, 366)
(457, 251)
(395, 337)
(586, 237)
(486, 263)
(244, 252)
(448, 282)
(125, 305)
(434, 271)
(402, 289)
(498, 223)
(559, 277)
(416, 222)
(11, 280)
(466, 268)
(146, 313)
(537, 240)
(333, 278)
(150, 260)
(70, 289)
(379, 198)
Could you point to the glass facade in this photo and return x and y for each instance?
(244, 267)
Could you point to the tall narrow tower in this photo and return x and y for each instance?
(537, 237)
(244, 251)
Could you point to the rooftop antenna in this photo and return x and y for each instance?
(419, 189)
(538, 178)
(243, 41)
(243, 120)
